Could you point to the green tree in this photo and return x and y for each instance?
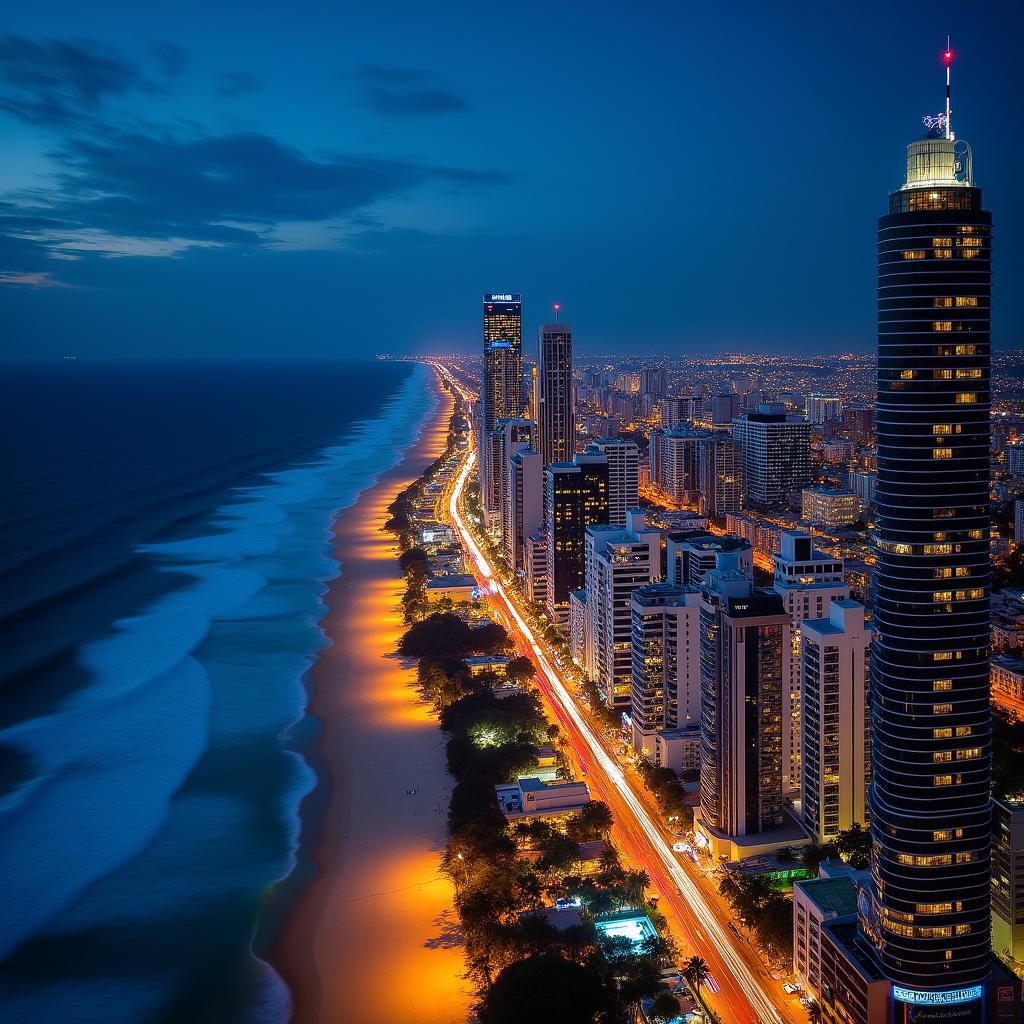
(519, 670)
(593, 822)
(665, 1008)
(854, 845)
(544, 989)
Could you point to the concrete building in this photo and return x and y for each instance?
(523, 511)
(807, 581)
(776, 455)
(1018, 522)
(575, 497)
(836, 762)
(580, 648)
(678, 749)
(720, 475)
(815, 901)
(536, 568)
(679, 463)
(534, 798)
(862, 483)
(665, 653)
(830, 507)
(618, 561)
(623, 476)
(508, 437)
(1008, 878)
(821, 408)
(744, 645)
(1013, 455)
(691, 554)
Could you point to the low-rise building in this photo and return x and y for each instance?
(481, 664)
(457, 587)
(678, 749)
(830, 507)
(816, 900)
(534, 798)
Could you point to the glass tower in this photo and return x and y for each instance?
(927, 911)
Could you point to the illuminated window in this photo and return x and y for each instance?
(976, 534)
(965, 730)
(942, 734)
(937, 860)
(942, 780)
(942, 428)
(942, 325)
(963, 570)
(943, 595)
(942, 241)
(943, 513)
(968, 857)
(942, 453)
(938, 549)
(967, 350)
(942, 301)
(968, 374)
(942, 374)
(943, 574)
(942, 684)
(968, 754)
(963, 929)
(942, 709)
(943, 254)
(940, 756)
(968, 254)
(907, 374)
(966, 300)
(934, 908)
(969, 243)
(913, 254)
(966, 398)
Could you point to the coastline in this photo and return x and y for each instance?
(371, 936)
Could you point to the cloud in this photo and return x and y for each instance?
(237, 83)
(55, 81)
(135, 194)
(406, 92)
(171, 58)
(32, 280)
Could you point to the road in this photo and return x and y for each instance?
(746, 992)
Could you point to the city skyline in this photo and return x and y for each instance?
(364, 190)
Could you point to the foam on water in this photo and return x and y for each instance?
(164, 801)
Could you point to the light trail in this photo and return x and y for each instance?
(762, 1005)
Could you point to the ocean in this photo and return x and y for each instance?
(164, 555)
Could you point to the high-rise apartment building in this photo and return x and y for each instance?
(501, 388)
(508, 437)
(618, 561)
(834, 713)
(1008, 878)
(523, 510)
(720, 475)
(776, 454)
(928, 910)
(744, 649)
(807, 581)
(575, 497)
(555, 404)
(653, 381)
(691, 554)
(821, 408)
(665, 641)
(623, 476)
(678, 463)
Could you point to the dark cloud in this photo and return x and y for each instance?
(125, 190)
(171, 58)
(237, 83)
(406, 92)
(54, 81)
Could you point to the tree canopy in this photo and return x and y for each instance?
(544, 989)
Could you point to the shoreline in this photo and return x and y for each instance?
(371, 935)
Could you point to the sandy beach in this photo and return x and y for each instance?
(372, 937)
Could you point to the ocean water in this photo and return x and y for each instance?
(164, 557)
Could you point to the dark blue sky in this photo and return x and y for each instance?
(224, 178)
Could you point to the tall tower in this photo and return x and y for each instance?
(556, 415)
(927, 913)
(501, 392)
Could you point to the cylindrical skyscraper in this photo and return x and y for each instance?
(928, 913)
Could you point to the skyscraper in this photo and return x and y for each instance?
(776, 454)
(928, 910)
(575, 497)
(834, 665)
(619, 560)
(744, 647)
(501, 388)
(623, 476)
(720, 475)
(523, 511)
(555, 407)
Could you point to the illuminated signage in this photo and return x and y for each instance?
(951, 997)
(507, 297)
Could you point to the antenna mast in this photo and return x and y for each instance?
(948, 58)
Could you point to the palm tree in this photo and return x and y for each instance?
(814, 1013)
(696, 972)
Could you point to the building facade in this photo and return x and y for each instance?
(720, 475)
(556, 410)
(776, 455)
(523, 509)
(623, 476)
(836, 761)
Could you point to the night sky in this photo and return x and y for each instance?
(245, 179)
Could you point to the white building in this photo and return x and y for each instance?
(807, 581)
(679, 463)
(835, 719)
(523, 510)
(816, 900)
(822, 408)
(580, 648)
(830, 507)
(863, 484)
(691, 554)
(678, 749)
(536, 567)
(623, 476)
(665, 679)
(618, 561)
(1014, 455)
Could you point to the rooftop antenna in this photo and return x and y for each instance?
(947, 57)
(557, 308)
